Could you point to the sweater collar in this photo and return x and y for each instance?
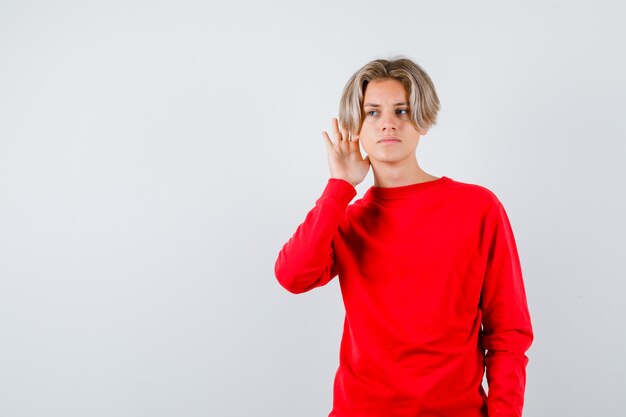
(393, 193)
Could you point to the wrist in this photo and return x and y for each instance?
(343, 179)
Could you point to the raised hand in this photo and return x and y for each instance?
(344, 156)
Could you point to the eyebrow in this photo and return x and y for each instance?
(402, 103)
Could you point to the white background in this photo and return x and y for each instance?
(155, 156)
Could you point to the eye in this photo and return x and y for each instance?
(370, 113)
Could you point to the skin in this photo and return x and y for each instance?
(393, 164)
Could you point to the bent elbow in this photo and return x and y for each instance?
(295, 283)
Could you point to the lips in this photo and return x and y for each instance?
(389, 139)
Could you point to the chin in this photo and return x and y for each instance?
(391, 156)
(386, 160)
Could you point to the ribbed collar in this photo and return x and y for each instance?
(393, 193)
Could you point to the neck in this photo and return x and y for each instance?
(388, 175)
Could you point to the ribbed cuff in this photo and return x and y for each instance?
(339, 190)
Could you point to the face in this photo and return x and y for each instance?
(387, 115)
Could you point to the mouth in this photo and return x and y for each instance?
(389, 139)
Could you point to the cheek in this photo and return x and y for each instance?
(368, 145)
(366, 129)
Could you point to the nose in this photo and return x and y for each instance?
(388, 123)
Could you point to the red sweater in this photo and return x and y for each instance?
(420, 267)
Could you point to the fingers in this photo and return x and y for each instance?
(338, 137)
(345, 134)
(343, 138)
(329, 143)
(342, 135)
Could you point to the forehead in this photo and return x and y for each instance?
(383, 91)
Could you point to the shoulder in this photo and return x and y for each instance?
(476, 196)
(475, 193)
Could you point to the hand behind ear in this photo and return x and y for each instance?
(344, 156)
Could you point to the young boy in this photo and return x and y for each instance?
(422, 261)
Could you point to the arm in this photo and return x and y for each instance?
(507, 331)
(306, 261)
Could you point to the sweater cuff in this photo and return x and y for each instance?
(339, 191)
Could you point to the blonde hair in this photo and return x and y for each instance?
(423, 100)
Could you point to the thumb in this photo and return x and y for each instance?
(327, 142)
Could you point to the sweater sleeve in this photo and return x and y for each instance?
(307, 260)
(507, 332)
